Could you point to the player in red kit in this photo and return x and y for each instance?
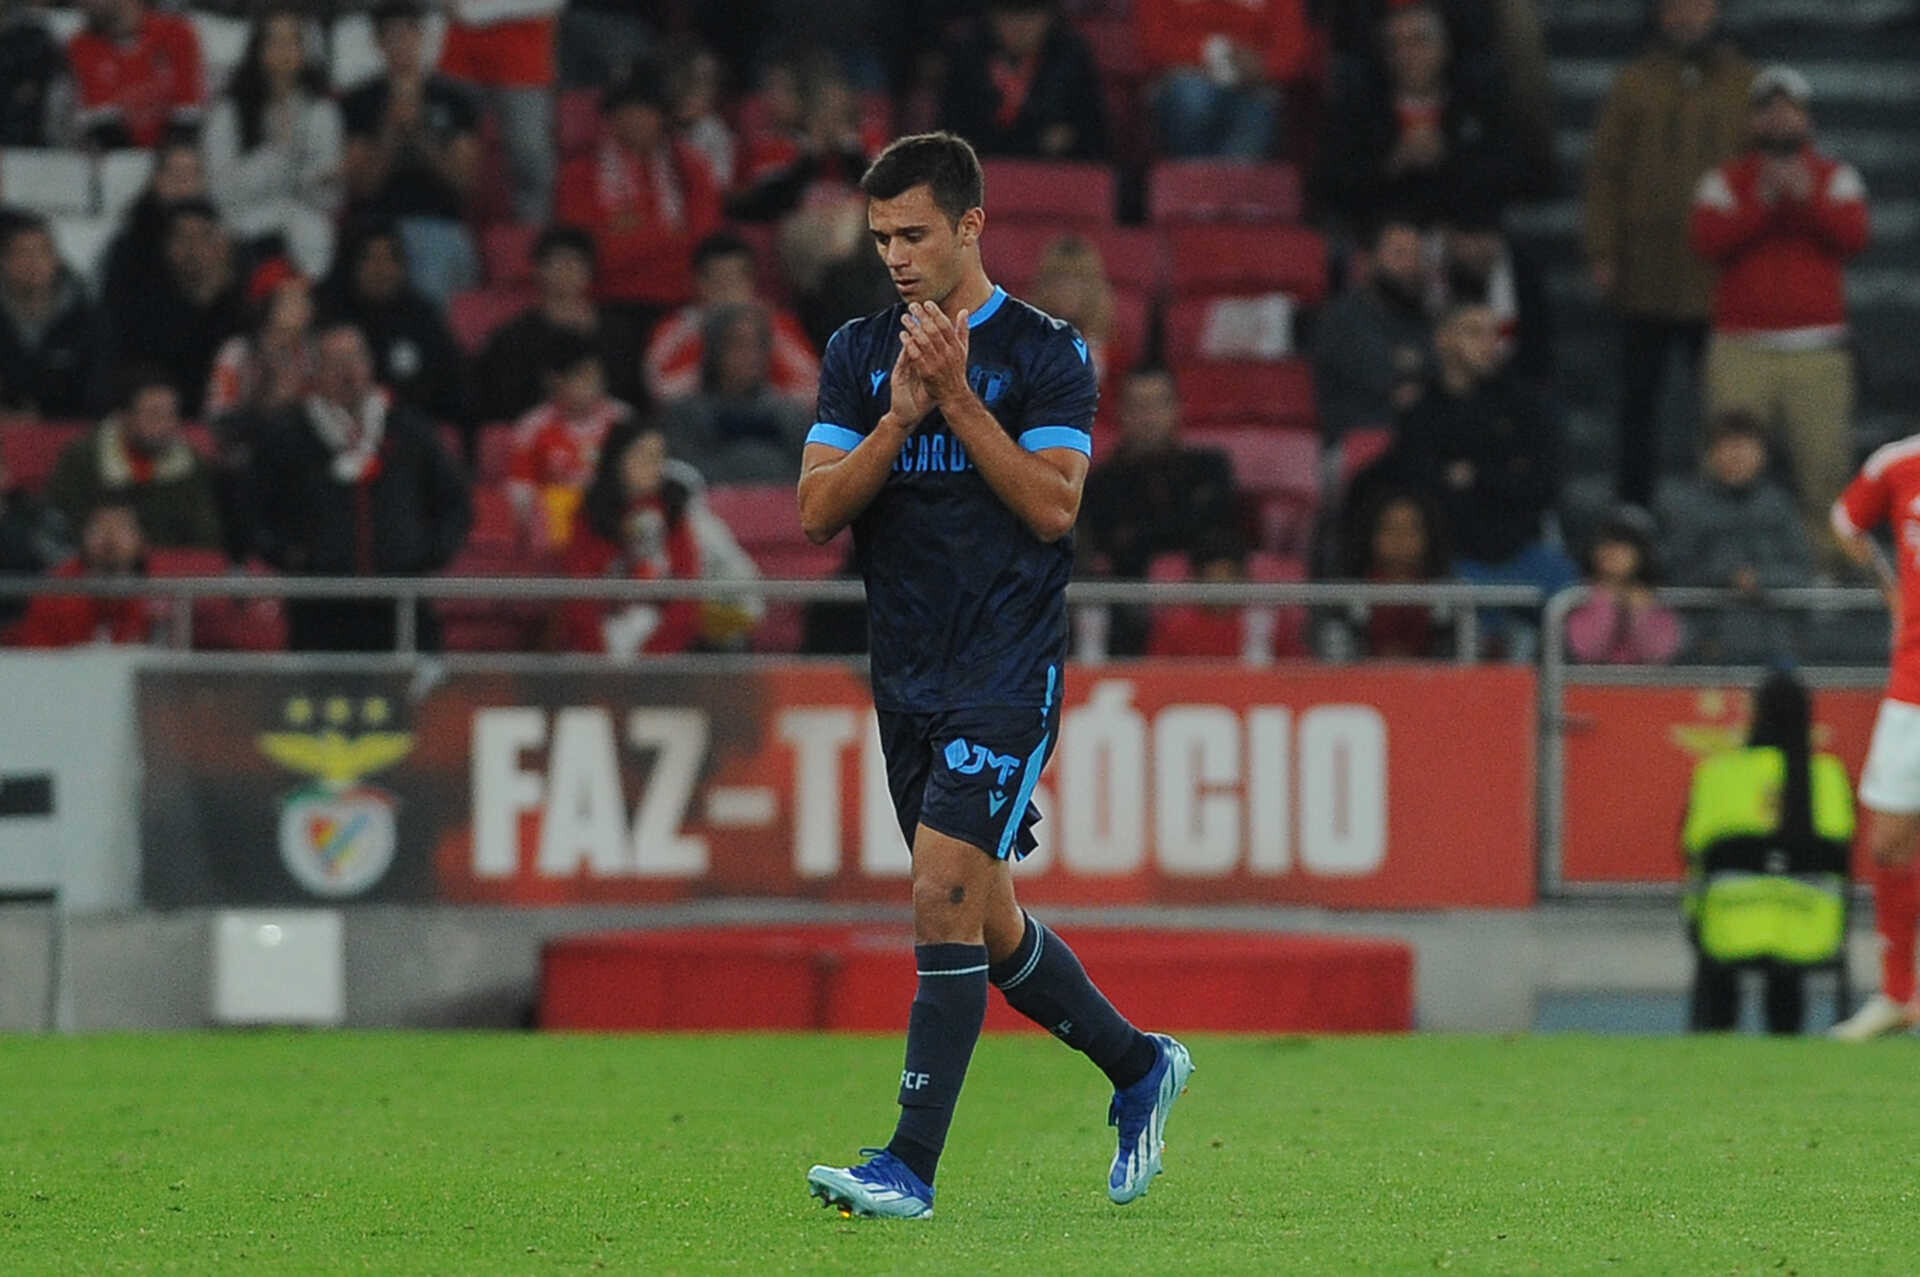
(1887, 491)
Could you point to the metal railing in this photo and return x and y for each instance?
(1558, 672)
(1460, 602)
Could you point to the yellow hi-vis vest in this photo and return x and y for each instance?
(1752, 894)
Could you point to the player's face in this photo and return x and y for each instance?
(925, 253)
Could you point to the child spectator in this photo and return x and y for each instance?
(1214, 630)
(270, 365)
(1023, 83)
(198, 302)
(139, 457)
(273, 146)
(739, 428)
(1071, 284)
(1621, 623)
(723, 276)
(557, 445)
(415, 356)
(37, 109)
(50, 353)
(1393, 538)
(1734, 527)
(511, 376)
(413, 152)
(646, 198)
(633, 524)
(505, 49)
(111, 548)
(1220, 62)
(138, 71)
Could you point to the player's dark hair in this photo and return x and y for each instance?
(944, 162)
(1783, 719)
(564, 239)
(719, 244)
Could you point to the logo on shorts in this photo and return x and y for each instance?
(971, 760)
(995, 801)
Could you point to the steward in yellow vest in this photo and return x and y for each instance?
(1768, 837)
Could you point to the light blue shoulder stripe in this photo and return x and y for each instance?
(1055, 437)
(834, 436)
(989, 310)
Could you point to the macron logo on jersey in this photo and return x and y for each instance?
(876, 378)
(1080, 346)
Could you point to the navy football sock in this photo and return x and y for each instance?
(947, 1012)
(1043, 981)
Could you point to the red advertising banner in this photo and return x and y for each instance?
(1630, 753)
(1406, 787)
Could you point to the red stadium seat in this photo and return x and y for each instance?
(1221, 259)
(473, 315)
(1173, 566)
(1057, 192)
(493, 452)
(1284, 524)
(1115, 42)
(506, 251)
(1132, 323)
(759, 514)
(1222, 191)
(223, 624)
(30, 449)
(1240, 394)
(1266, 462)
(1130, 254)
(1204, 330)
(577, 121)
(1361, 448)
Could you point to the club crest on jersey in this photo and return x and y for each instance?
(990, 384)
(971, 760)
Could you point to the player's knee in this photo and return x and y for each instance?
(947, 910)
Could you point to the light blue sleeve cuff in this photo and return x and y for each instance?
(1055, 437)
(834, 436)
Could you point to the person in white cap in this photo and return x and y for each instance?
(1780, 223)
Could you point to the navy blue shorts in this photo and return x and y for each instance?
(970, 773)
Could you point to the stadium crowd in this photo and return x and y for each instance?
(505, 287)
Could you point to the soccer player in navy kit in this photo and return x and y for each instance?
(953, 436)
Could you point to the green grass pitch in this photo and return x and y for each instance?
(465, 1153)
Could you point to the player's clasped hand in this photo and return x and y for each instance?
(936, 347)
(910, 403)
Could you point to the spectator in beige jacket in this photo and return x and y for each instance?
(1675, 112)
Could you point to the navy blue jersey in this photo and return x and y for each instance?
(966, 606)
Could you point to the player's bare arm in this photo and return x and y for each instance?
(835, 486)
(1863, 551)
(1043, 488)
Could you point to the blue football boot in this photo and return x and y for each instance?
(883, 1187)
(1140, 1112)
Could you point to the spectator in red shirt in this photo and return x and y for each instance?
(138, 72)
(505, 48)
(1780, 223)
(111, 548)
(647, 199)
(723, 276)
(633, 524)
(557, 445)
(1219, 62)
